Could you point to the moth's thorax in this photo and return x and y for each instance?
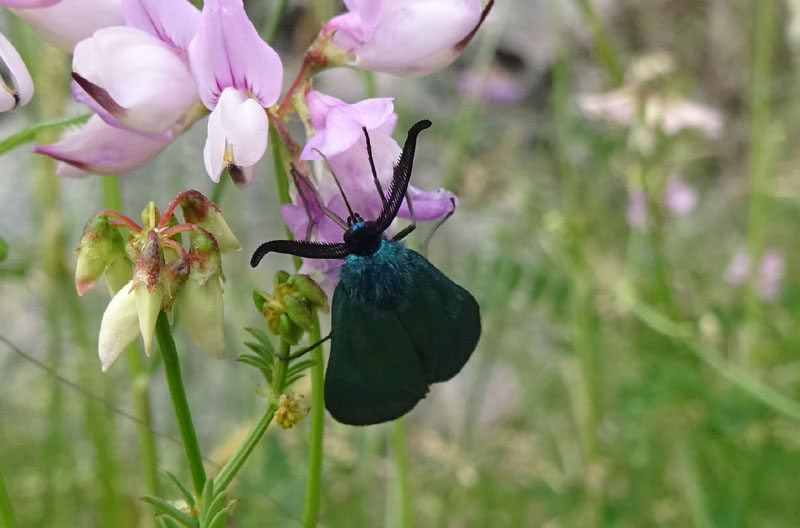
(364, 238)
(380, 280)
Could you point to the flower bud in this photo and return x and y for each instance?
(150, 216)
(291, 409)
(100, 245)
(119, 326)
(200, 298)
(148, 284)
(289, 330)
(311, 291)
(299, 313)
(199, 210)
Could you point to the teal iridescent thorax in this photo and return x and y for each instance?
(381, 280)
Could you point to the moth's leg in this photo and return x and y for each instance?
(424, 246)
(372, 167)
(327, 212)
(410, 227)
(311, 220)
(304, 351)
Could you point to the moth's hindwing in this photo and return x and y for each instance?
(373, 373)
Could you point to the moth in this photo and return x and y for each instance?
(398, 324)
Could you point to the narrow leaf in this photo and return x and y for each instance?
(165, 508)
(178, 484)
(27, 135)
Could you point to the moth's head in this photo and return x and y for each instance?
(363, 237)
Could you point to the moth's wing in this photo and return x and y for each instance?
(442, 319)
(374, 374)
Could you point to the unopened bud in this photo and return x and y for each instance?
(150, 216)
(299, 313)
(289, 330)
(202, 314)
(199, 210)
(311, 291)
(149, 287)
(95, 252)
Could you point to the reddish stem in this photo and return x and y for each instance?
(174, 245)
(123, 220)
(301, 76)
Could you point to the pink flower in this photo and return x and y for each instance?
(137, 76)
(22, 90)
(680, 197)
(66, 22)
(340, 137)
(406, 37)
(769, 276)
(238, 75)
(102, 149)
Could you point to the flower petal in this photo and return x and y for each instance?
(148, 305)
(60, 25)
(102, 149)
(28, 4)
(228, 52)
(119, 326)
(22, 91)
(141, 74)
(174, 22)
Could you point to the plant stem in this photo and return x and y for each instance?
(275, 20)
(313, 484)
(235, 463)
(402, 483)
(603, 48)
(760, 161)
(6, 511)
(138, 375)
(178, 396)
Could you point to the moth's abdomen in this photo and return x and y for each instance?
(380, 281)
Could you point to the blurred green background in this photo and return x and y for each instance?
(619, 164)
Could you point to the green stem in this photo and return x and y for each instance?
(403, 485)
(219, 187)
(178, 396)
(603, 48)
(313, 484)
(760, 159)
(6, 511)
(370, 87)
(275, 21)
(235, 463)
(280, 162)
(138, 375)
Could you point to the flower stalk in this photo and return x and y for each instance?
(180, 405)
(314, 476)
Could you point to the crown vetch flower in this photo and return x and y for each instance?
(238, 76)
(22, 90)
(137, 76)
(406, 37)
(165, 274)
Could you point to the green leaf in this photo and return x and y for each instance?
(24, 136)
(255, 361)
(208, 496)
(166, 522)
(215, 507)
(262, 338)
(162, 507)
(291, 379)
(297, 368)
(185, 492)
(261, 350)
(219, 520)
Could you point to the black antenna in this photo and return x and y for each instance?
(339, 185)
(301, 248)
(401, 177)
(372, 167)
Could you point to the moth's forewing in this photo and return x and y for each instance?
(442, 319)
(373, 373)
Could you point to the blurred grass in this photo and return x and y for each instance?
(620, 381)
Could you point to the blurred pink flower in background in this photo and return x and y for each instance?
(637, 209)
(64, 23)
(680, 197)
(406, 37)
(769, 276)
(21, 90)
(496, 86)
(238, 75)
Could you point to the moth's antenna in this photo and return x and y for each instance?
(372, 167)
(339, 185)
